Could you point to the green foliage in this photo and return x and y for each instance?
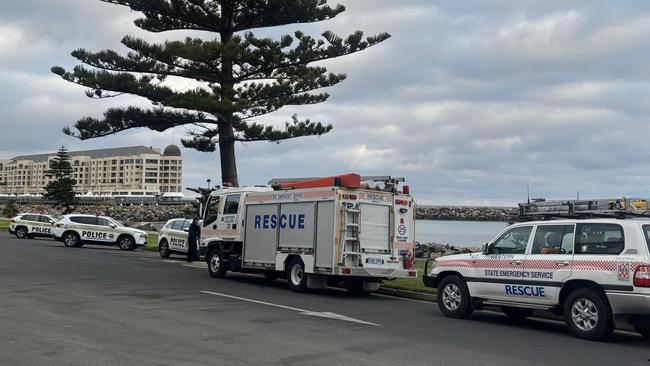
(10, 209)
(61, 188)
(243, 78)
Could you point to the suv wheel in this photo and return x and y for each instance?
(296, 275)
(126, 242)
(71, 240)
(588, 315)
(21, 232)
(216, 266)
(453, 297)
(163, 249)
(517, 314)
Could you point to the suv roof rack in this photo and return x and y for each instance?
(606, 207)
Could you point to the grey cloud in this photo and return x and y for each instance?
(469, 100)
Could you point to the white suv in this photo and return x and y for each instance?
(590, 271)
(77, 230)
(29, 225)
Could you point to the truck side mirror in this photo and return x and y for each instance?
(485, 248)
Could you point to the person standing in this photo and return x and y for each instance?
(192, 240)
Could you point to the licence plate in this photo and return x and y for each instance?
(374, 260)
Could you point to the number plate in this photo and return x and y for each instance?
(374, 260)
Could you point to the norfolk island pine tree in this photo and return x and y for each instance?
(244, 78)
(61, 186)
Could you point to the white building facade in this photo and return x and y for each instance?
(135, 170)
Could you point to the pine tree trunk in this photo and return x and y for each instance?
(227, 154)
(226, 132)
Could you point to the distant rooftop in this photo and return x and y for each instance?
(100, 153)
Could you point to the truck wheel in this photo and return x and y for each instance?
(355, 287)
(126, 242)
(517, 314)
(296, 275)
(642, 326)
(453, 298)
(21, 232)
(216, 265)
(163, 249)
(71, 240)
(588, 315)
(271, 275)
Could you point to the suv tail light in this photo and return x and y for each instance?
(642, 276)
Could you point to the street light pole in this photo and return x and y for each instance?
(209, 181)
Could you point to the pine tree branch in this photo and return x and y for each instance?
(119, 119)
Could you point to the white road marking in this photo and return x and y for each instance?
(327, 314)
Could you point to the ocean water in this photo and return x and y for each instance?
(458, 233)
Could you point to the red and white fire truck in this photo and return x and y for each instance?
(316, 232)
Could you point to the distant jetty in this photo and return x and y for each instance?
(466, 213)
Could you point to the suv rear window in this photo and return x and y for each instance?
(599, 238)
(646, 231)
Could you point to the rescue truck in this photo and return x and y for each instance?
(30, 225)
(592, 267)
(315, 232)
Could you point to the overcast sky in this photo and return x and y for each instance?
(471, 101)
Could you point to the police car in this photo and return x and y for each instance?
(29, 225)
(172, 238)
(591, 271)
(77, 230)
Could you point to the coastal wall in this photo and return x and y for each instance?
(164, 213)
(126, 214)
(466, 213)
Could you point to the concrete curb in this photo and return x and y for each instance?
(407, 294)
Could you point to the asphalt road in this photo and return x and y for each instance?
(101, 306)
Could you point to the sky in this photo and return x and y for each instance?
(470, 101)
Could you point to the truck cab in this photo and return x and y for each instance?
(222, 216)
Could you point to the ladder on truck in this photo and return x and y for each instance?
(615, 207)
(350, 225)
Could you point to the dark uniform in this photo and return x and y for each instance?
(192, 241)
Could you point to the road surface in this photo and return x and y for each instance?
(101, 306)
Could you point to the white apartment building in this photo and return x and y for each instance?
(135, 170)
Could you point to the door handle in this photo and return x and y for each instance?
(515, 263)
(562, 263)
(214, 227)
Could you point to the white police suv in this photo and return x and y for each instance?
(77, 230)
(591, 271)
(172, 238)
(29, 225)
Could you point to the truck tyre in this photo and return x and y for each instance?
(296, 275)
(517, 314)
(71, 240)
(642, 326)
(163, 249)
(216, 266)
(355, 287)
(126, 242)
(271, 275)
(21, 232)
(588, 315)
(453, 298)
